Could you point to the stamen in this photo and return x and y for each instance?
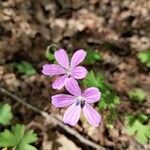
(82, 104)
(77, 103)
(80, 101)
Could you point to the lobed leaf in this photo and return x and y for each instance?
(5, 114)
(18, 137)
(137, 95)
(7, 139)
(25, 68)
(92, 57)
(135, 125)
(109, 99)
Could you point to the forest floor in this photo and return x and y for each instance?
(117, 29)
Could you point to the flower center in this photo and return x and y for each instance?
(80, 101)
(68, 72)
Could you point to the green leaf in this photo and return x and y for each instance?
(92, 57)
(137, 95)
(7, 139)
(111, 118)
(18, 131)
(109, 99)
(27, 147)
(5, 114)
(93, 80)
(49, 55)
(135, 125)
(109, 102)
(144, 57)
(25, 68)
(18, 137)
(30, 137)
(49, 52)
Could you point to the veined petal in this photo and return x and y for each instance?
(59, 82)
(92, 116)
(77, 58)
(52, 69)
(79, 72)
(72, 115)
(62, 100)
(72, 87)
(91, 95)
(62, 58)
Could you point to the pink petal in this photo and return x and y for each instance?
(73, 87)
(79, 72)
(92, 95)
(62, 58)
(59, 82)
(62, 100)
(91, 115)
(52, 69)
(77, 58)
(72, 115)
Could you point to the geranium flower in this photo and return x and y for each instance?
(65, 69)
(78, 101)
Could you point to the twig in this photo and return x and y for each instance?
(54, 118)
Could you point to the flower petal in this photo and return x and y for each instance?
(59, 82)
(91, 95)
(77, 58)
(72, 87)
(72, 115)
(62, 58)
(79, 72)
(52, 69)
(62, 100)
(91, 115)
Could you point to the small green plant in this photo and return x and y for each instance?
(25, 68)
(137, 95)
(109, 100)
(136, 126)
(144, 57)
(17, 138)
(92, 57)
(5, 114)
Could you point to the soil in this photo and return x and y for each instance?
(117, 29)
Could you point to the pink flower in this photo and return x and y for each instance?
(65, 69)
(78, 101)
